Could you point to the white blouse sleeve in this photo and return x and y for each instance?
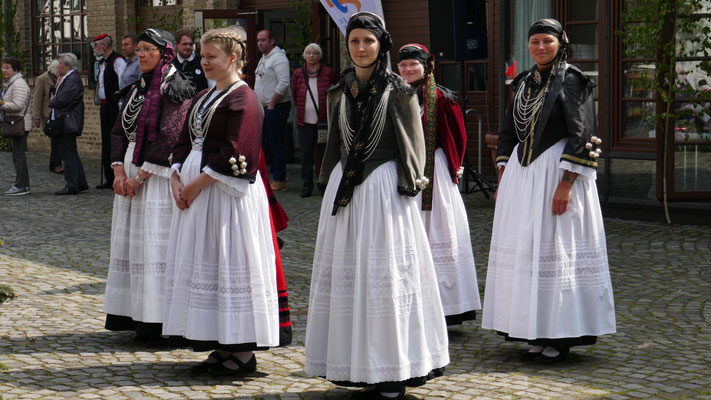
(587, 172)
(228, 184)
(159, 170)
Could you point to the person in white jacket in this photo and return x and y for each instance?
(15, 104)
(272, 88)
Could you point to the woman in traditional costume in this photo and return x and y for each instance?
(375, 317)
(548, 281)
(442, 206)
(148, 127)
(221, 286)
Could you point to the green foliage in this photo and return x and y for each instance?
(6, 293)
(670, 32)
(300, 31)
(154, 18)
(9, 33)
(4, 146)
(9, 45)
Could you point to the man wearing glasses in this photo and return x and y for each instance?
(110, 66)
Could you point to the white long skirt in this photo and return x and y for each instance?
(548, 275)
(140, 227)
(450, 242)
(220, 281)
(375, 313)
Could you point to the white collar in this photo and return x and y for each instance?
(181, 59)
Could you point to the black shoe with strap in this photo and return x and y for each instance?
(206, 365)
(242, 368)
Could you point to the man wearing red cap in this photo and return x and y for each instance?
(110, 66)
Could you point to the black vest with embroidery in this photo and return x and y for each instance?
(111, 79)
(190, 68)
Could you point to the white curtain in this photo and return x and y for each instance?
(525, 13)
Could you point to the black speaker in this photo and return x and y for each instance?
(441, 29)
(458, 29)
(470, 29)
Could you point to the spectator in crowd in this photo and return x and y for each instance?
(187, 61)
(17, 122)
(67, 105)
(131, 74)
(40, 111)
(110, 66)
(272, 88)
(308, 89)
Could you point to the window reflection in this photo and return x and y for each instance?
(636, 121)
(634, 83)
(583, 11)
(59, 26)
(476, 77)
(583, 41)
(449, 76)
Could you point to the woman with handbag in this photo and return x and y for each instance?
(308, 88)
(17, 122)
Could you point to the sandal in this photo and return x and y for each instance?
(243, 368)
(206, 365)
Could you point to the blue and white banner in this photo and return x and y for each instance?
(341, 10)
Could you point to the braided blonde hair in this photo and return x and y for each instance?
(229, 41)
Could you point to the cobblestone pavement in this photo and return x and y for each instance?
(53, 345)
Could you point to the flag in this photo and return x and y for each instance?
(341, 10)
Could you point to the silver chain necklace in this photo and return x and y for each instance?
(527, 109)
(201, 116)
(376, 126)
(130, 115)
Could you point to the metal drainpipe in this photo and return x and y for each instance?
(503, 33)
(4, 33)
(609, 38)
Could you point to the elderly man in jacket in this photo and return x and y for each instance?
(68, 106)
(40, 111)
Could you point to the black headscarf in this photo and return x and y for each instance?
(363, 97)
(556, 75)
(415, 51)
(158, 37)
(551, 27)
(373, 23)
